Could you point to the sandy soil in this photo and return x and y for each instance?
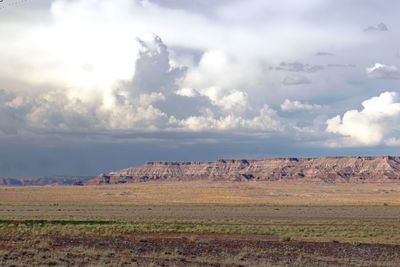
(204, 192)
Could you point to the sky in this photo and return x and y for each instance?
(91, 86)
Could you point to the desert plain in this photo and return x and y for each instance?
(201, 223)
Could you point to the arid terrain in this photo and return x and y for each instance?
(212, 133)
(46, 180)
(337, 211)
(201, 223)
(383, 169)
(208, 192)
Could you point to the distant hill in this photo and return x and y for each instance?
(327, 169)
(50, 180)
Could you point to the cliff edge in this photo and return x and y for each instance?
(328, 169)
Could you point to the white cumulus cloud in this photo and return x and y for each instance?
(375, 124)
(292, 106)
(266, 121)
(134, 104)
(95, 65)
(382, 71)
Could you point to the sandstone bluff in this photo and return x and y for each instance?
(327, 169)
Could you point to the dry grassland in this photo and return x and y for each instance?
(202, 192)
(201, 223)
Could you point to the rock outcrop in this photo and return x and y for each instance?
(328, 169)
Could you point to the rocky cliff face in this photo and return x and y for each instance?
(329, 169)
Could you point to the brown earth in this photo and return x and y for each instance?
(328, 169)
(201, 223)
(281, 192)
(159, 249)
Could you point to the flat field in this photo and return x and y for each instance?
(205, 192)
(201, 224)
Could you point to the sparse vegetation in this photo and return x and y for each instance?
(228, 229)
(373, 231)
(203, 192)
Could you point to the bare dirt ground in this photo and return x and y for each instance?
(201, 224)
(192, 250)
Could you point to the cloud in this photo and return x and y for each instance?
(142, 103)
(188, 92)
(228, 100)
(222, 79)
(154, 72)
(56, 112)
(299, 67)
(107, 48)
(375, 124)
(324, 54)
(380, 27)
(336, 65)
(392, 141)
(12, 112)
(296, 80)
(266, 121)
(138, 114)
(218, 69)
(292, 106)
(127, 105)
(382, 71)
(8, 4)
(211, 76)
